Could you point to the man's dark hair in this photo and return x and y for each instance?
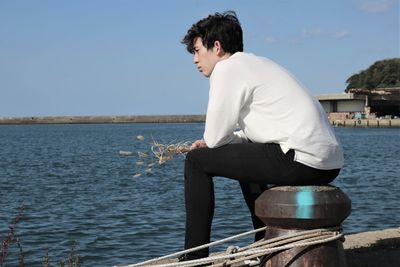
(224, 28)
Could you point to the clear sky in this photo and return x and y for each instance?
(124, 57)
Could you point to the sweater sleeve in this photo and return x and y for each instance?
(226, 98)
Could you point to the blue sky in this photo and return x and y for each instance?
(121, 57)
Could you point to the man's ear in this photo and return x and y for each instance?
(218, 48)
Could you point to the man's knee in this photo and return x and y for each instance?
(196, 154)
(194, 158)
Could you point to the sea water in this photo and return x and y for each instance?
(76, 188)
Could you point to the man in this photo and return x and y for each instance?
(284, 137)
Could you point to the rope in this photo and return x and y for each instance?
(179, 253)
(253, 251)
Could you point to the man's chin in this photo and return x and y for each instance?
(206, 74)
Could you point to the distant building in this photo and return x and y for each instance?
(367, 103)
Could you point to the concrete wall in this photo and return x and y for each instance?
(366, 122)
(328, 106)
(343, 105)
(350, 106)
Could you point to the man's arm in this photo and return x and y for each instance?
(228, 93)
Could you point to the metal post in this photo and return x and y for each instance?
(290, 209)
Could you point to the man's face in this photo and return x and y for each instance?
(205, 59)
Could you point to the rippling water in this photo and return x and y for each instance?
(76, 187)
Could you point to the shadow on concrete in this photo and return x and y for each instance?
(382, 253)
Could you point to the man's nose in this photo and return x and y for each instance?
(195, 59)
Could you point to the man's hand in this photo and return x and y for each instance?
(198, 144)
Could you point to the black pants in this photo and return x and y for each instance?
(254, 165)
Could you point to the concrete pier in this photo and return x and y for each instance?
(375, 248)
(367, 249)
(366, 123)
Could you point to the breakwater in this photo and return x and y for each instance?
(102, 119)
(169, 118)
(366, 123)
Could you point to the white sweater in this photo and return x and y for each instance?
(270, 106)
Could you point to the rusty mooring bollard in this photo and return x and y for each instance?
(290, 209)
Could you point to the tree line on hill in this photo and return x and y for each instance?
(381, 74)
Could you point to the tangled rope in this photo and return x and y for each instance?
(165, 152)
(253, 251)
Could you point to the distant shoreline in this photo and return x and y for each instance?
(384, 123)
(102, 119)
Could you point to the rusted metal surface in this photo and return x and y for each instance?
(305, 207)
(325, 255)
(288, 210)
